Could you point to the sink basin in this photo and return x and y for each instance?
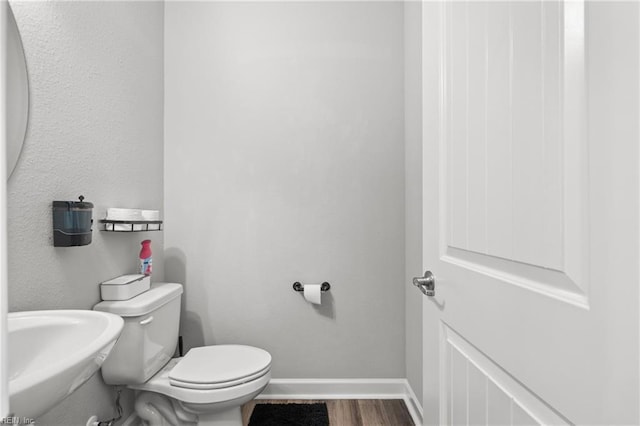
(52, 353)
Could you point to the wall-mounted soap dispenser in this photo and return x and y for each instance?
(72, 223)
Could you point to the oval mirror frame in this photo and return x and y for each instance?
(17, 93)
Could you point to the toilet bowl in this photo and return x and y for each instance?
(205, 387)
(209, 384)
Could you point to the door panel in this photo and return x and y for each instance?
(531, 217)
(509, 213)
(480, 392)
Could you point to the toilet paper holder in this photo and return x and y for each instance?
(325, 286)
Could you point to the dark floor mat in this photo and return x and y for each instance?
(289, 415)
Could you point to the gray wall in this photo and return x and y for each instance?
(285, 162)
(413, 190)
(96, 73)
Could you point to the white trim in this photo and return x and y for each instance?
(638, 237)
(345, 389)
(4, 368)
(335, 389)
(414, 405)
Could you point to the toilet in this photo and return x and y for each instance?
(205, 387)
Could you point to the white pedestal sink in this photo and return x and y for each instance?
(52, 353)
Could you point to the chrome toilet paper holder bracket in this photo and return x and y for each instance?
(325, 286)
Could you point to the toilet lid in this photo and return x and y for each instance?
(213, 367)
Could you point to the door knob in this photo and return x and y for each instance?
(426, 284)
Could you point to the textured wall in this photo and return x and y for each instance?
(413, 189)
(96, 75)
(284, 162)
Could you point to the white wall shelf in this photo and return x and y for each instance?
(131, 225)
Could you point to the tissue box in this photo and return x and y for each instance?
(124, 214)
(125, 287)
(152, 215)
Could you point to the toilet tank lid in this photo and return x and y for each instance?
(158, 295)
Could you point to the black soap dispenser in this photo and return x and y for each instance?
(72, 223)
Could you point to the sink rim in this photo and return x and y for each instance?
(97, 343)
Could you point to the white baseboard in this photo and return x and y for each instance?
(345, 389)
(414, 405)
(335, 389)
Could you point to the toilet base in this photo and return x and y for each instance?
(228, 417)
(155, 409)
(158, 403)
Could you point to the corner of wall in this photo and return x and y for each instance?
(413, 190)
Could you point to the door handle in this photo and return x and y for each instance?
(426, 284)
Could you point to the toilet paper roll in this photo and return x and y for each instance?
(312, 293)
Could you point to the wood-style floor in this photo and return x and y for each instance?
(350, 412)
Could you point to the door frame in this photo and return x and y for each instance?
(432, 121)
(4, 368)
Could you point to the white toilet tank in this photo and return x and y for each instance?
(149, 337)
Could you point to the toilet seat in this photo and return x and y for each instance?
(205, 386)
(227, 391)
(220, 366)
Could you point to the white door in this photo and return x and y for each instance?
(531, 212)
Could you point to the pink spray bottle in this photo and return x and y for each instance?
(145, 258)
